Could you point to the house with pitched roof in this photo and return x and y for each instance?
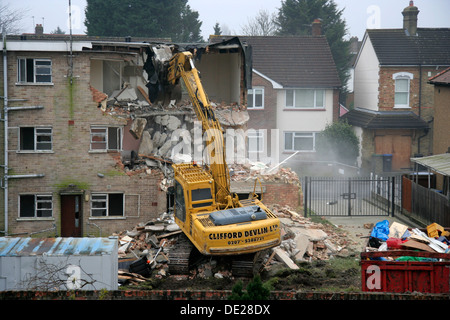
(394, 103)
(294, 95)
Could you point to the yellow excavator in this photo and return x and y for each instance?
(213, 220)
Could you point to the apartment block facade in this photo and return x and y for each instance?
(62, 152)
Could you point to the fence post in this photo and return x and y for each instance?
(349, 204)
(393, 196)
(305, 197)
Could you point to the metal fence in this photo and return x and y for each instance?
(356, 196)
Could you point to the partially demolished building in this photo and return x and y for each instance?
(85, 151)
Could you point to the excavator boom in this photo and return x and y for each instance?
(215, 221)
(182, 66)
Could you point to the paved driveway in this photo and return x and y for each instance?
(360, 228)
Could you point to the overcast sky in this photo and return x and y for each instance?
(232, 15)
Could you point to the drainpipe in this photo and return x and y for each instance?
(420, 109)
(5, 123)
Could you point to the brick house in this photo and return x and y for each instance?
(68, 148)
(294, 95)
(441, 137)
(394, 104)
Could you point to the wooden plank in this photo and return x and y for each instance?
(144, 93)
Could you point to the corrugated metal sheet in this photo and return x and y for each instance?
(58, 263)
(56, 246)
(439, 163)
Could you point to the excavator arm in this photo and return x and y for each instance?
(215, 222)
(181, 66)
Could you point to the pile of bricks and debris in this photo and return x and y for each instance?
(252, 170)
(302, 241)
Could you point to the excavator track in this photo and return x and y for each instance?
(179, 256)
(243, 266)
(247, 265)
(182, 256)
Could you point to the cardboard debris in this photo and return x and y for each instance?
(413, 244)
(397, 230)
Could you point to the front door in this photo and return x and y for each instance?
(71, 215)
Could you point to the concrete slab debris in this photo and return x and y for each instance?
(282, 256)
(303, 241)
(137, 127)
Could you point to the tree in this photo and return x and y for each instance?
(217, 29)
(295, 17)
(256, 290)
(10, 20)
(143, 18)
(338, 142)
(58, 30)
(264, 24)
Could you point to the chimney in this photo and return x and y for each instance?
(39, 30)
(317, 27)
(410, 14)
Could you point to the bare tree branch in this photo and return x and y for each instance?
(55, 277)
(261, 25)
(10, 19)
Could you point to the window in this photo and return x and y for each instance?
(305, 98)
(299, 141)
(36, 139)
(34, 70)
(109, 204)
(402, 88)
(204, 195)
(256, 98)
(104, 138)
(180, 208)
(255, 140)
(35, 206)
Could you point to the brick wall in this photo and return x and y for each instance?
(441, 138)
(283, 194)
(425, 99)
(442, 134)
(276, 307)
(264, 118)
(421, 99)
(70, 111)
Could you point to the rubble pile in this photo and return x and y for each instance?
(302, 240)
(305, 240)
(397, 236)
(253, 170)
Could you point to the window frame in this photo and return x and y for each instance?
(107, 205)
(23, 76)
(106, 140)
(38, 199)
(38, 132)
(402, 76)
(299, 134)
(251, 93)
(315, 105)
(260, 140)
